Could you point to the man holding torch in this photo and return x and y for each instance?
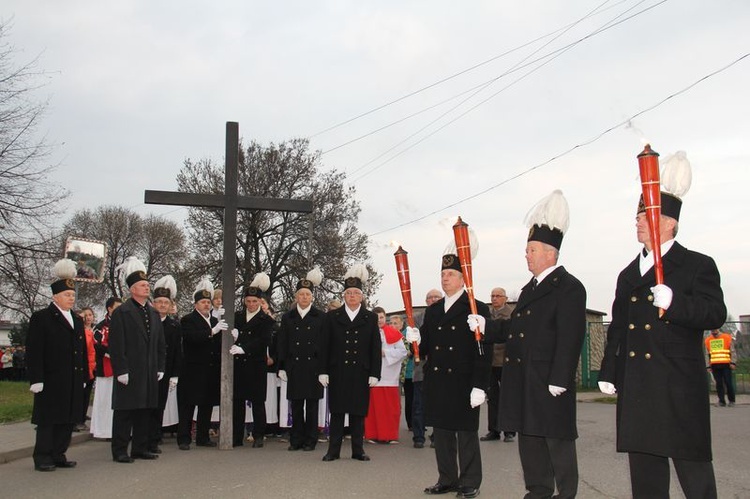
(454, 383)
(654, 362)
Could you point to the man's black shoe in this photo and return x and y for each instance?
(184, 446)
(330, 457)
(493, 435)
(66, 464)
(122, 459)
(308, 448)
(419, 445)
(439, 488)
(294, 447)
(45, 467)
(258, 443)
(467, 492)
(155, 450)
(361, 457)
(145, 455)
(207, 443)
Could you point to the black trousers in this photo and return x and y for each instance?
(52, 441)
(408, 401)
(649, 477)
(238, 419)
(86, 399)
(493, 401)
(185, 424)
(125, 423)
(304, 423)
(547, 462)
(357, 427)
(459, 460)
(724, 383)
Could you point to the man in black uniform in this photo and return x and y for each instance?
(454, 382)
(253, 334)
(137, 351)
(350, 364)
(299, 343)
(165, 290)
(543, 343)
(655, 364)
(200, 373)
(57, 363)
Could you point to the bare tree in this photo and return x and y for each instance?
(29, 202)
(274, 242)
(157, 242)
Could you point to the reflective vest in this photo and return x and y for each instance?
(719, 348)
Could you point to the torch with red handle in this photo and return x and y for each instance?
(404, 282)
(648, 163)
(463, 249)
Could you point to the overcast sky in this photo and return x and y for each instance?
(136, 87)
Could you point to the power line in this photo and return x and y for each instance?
(441, 81)
(560, 155)
(552, 56)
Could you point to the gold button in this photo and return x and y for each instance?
(450, 370)
(450, 349)
(440, 327)
(510, 336)
(520, 335)
(648, 356)
(507, 359)
(647, 327)
(633, 299)
(528, 312)
(435, 368)
(518, 314)
(631, 354)
(518, 360)
(346, 362)
(631, 326)
(650, 297)
(437, 347)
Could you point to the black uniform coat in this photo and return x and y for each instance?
(250, 373)
(173, 344)
(138, 354)
(544, 339)
(351, 354)
(56, 355)
(298, 346)
(200, 372)
(657, 364)
(455, 366)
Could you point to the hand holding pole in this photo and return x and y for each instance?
(463, 249)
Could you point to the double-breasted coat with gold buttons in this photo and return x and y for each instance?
(250, 370)
(544, 337)
(657, 364)
(454, 365)
(352, 354)
(298, 348)
(56, 355)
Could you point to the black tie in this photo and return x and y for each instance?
(534, 282)
(645, 253)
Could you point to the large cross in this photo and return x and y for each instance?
(231, 202)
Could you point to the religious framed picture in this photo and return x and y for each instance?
(89, 257)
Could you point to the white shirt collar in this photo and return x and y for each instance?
(450, 300)
(249, 315)
(303, 311)
(545, 273)
(352, 313)
(646, 262)
(67, 314)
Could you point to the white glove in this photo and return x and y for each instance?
(477, 397)
(323, 380)
(662, 296)
(556, 390)
(372, 381)
(173, 382)
(236, 350)
(123, 378)
(282, 375)
(159, 376)
(607, 388)
(235, 334)
(220, 326)
(413, 334)
(36, 388)
(218, 312)
(476, 321)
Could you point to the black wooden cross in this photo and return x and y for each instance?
(231, 202)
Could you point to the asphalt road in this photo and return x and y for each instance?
(395, 470)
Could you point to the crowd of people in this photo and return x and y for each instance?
(342, 371)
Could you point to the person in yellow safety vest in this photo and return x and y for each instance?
(722, 359)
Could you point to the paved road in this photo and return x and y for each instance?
(395, 470)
